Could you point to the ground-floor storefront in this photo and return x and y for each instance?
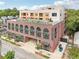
(16, 37)
(20, 38)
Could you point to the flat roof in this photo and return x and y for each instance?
(38, 21)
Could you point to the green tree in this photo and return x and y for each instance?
(9, 12)
(72, 22)
(73, 53)
(9, 55)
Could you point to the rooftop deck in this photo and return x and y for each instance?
(34, 21)
(38, 21)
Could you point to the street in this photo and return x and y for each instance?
(19, 53)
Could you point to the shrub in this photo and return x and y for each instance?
(9, 55)
(38, 47)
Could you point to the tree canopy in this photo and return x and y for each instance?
(72, 21)
(9, 12)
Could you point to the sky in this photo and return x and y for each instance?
(33, 4)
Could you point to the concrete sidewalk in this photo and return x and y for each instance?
(30, 46)
(57, 54)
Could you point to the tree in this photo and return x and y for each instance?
(72, 22)
(73, 53)
(9, 55)
(9, 12)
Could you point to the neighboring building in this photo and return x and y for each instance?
(76, 39)
(4, 22)
(5, 18)
(44, 25)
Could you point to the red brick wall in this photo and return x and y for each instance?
(60, 32)
(53, 41)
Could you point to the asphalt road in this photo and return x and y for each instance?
(19, 53)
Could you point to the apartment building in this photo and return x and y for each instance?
(44, 25)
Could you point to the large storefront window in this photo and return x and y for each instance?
(21, 28)
(38, 32)
(46, 46)
(46, 33)
(32, 30)
(26, 29)
(16, 27)
(19, 38)
(12, 26)
(9, 26)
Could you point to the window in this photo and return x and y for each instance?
(21, 28)
(46, 46)
(36, 14)
(46, 14)
(19, 38)
(46, 33)
(31, 14)
(16, 27)
(52, 34)
(49, 8)
(12, 26)
(24, 14)
(40, 14)
(9, 26)
(38, 32)
(40, 18)
(27, 14)
(54, 14)
(60, 14)
(55, 32)
(32, 30)
(26, 29)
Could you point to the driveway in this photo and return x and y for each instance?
(19, 53)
